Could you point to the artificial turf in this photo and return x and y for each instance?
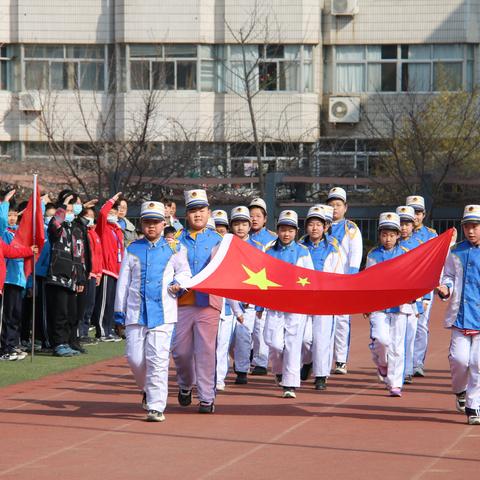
(45, 364)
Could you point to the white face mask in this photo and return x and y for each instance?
(112, 218)
(90, 221)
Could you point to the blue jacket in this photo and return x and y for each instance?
(320, 251)
(424, 234)
(199, 251)
(263, 236)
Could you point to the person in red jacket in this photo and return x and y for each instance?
(9, 251)
(111, 237)
(95, 277)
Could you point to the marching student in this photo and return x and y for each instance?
(146, 304)
(220, 218)
(326, 257)
(408, 241)
(259, 233)
(284, 331)
(240, 224)
(422, 234)
(460, 284)
(351, 244)
(111, 236)
(194, 343)
(388, 327)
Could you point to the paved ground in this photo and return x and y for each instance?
(87, 424)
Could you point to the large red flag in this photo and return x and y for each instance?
(241, 272)
(25, 234)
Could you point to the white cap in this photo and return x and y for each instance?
(471, 214)
(196, 199)
(389, 220)
(406, 213)
(317, 211)
(288, 217)
(211, 223)
(258, 202)
(240, 213)
(416, 202)
(220, 217)
(153, 210)
(337, 193)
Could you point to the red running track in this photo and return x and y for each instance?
(88, 424)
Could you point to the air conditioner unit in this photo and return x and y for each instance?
(344, 110)
(344, 7)
(29, 103)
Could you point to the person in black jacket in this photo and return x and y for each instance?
(67, 274)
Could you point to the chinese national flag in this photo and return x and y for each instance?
(25, 234)
(242, 272)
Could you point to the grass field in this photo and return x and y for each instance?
(46, 364)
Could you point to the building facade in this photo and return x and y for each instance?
(303, 72)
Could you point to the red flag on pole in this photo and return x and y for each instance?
(241, 272)
(30, 230)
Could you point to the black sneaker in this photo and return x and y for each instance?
(76, 346)
(88, 341)
(305, 371)
(204, 407)
(259, 371)
(184, 397)
(408, 380)
(340, 368)
(241, 378)
(320, 383)
(144, 401)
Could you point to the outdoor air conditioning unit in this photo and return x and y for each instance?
(344, 109)
(344, 7)
(29, 103)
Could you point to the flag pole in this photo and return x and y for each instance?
(34, 238)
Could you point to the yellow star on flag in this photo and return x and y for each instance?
(259, 279)
(303, 281)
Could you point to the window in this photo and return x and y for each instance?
(395, 68)
(165, 67)
(5, 65)
(64, 67)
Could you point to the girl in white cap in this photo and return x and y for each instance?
(460, 283)
(284, 331)
(388, 327)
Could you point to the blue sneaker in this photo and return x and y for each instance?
(63, 351)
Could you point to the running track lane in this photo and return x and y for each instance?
(87, 424)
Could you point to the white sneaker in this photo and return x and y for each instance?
(288, 393)
(155, 416)
(474, 420)
(220, 387)
(340, 368)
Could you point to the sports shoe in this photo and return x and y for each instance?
(184, 397)
(205, 407)
(259, 371)
(395, 392)
(88, 341)
(8, 357)
(278, 379)
(320, 383)
(107, 339)
(289, 392)
(116, 338)
(460, 402)
(408, 379)
(144, 401)
(473, 420)
(21, 355)
(241, 378)
(78, 348)
(340, 368)
(220, 387)
(418, 372)
(155, 416)
(305, 371)
(63, 351)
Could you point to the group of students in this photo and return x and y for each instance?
(75, 275)
(89, 273)
(207, 334)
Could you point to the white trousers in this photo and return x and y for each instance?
(307, 341)
(421, 337)
(243, 341)
(283, 333)
(148, 353)
(464, 357)
(412, 321)
(342, 338)
(260, 348)
(225, 335)
(323, 327)
(387, 331)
